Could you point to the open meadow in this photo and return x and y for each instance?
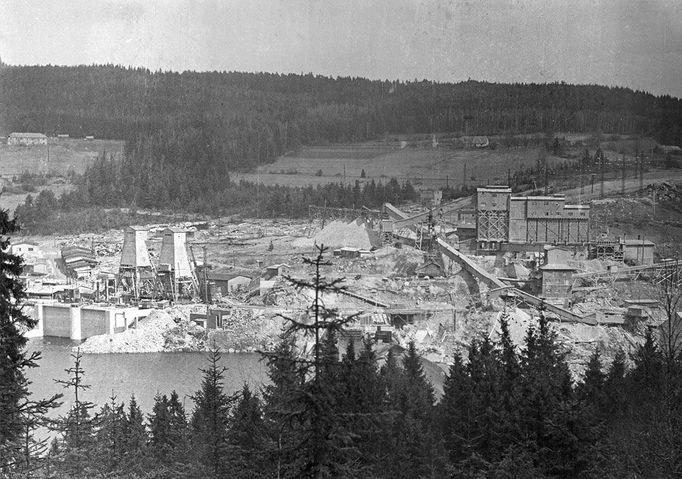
(56, 158)
(65, 156)
(428, 167)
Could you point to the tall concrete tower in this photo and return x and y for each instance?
(135, 254)
(135, 270)
(174, 266)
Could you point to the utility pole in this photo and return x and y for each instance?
(622, 183)
(546, 177)
(601, 188)
(205, 268)
(582, 180)
(641, 171)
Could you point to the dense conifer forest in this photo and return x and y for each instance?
(244, 118)
(185, 132)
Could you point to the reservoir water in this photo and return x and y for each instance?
(144, 375)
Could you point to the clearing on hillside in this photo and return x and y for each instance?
(57, 157)
(429, 167)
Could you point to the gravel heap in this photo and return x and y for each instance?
(338, 234)
(149, 337)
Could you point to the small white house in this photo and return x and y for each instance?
(26, 139)
(26, 249)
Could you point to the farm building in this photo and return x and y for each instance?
(501, 218)
(26, 249)
(26, 139)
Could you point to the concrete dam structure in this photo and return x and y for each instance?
(77, 323)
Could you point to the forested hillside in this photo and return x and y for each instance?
(250, 117)
(185, 132)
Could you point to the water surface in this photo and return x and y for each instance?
(143, 375)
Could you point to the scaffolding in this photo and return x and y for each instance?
(606, 250)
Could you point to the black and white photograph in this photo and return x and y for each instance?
(364, 239)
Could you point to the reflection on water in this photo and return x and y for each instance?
(143, 375)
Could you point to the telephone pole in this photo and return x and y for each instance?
(601, 188)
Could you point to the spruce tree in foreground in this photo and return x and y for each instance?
(19, 413)
(281, 407)
(77, 443)
(111, 419)
(210, 420)
(312, 413)
(247, 437)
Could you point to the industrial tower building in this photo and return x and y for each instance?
(175, 270)
(136, 274)
(527, 220)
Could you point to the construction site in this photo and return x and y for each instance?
(436, 273)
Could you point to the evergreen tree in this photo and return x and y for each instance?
(109, 436)
(210, 420)
(19, 413)
(247, 437)
(591, 389)
(179, 432)
(160, 431)
(562, 434)
(456, 410)
(646, 378)
(416, 450)
(77, 427)
(281, 407)
(363, 399)
(324, 440)
(168, 436)
(615, 386)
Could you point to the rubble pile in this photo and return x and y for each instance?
(149, 337)
(339, 234)
(247, 330)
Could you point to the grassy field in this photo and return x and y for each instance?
(428, 167)
(64, 155)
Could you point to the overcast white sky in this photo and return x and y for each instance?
(618, 42)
